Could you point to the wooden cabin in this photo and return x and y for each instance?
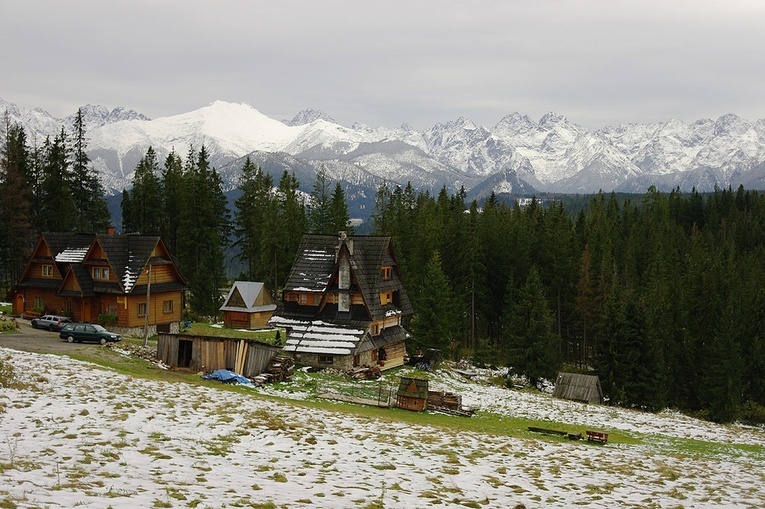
(578, 387)
(248, 305)
(124, 281)
(412, 394)
(343, 303)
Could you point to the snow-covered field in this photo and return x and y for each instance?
(82, 436)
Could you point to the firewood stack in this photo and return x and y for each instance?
(279, 369)
(365, 373)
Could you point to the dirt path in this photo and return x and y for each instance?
(30, 339)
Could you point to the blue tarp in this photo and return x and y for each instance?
(226, 376)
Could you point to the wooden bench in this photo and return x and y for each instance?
(597, 436)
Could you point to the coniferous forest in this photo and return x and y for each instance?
(661, 295)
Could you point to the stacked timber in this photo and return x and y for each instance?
(279, 369)
(365, 373)
(448, 402)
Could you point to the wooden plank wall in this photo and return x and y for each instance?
(247, 358)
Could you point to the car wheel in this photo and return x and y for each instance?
(103, 341)
(33, 324)
(52, 328)
(70, 339)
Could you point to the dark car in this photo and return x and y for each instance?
(87, 332)
(50, 322)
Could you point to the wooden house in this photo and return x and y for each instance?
(578, 387)
(343, 303)
(412, 394)
(125, 280)
(248, 305)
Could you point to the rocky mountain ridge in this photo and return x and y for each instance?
(517, 156)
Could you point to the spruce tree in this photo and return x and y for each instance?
(340, 220)
(319, 211)
(16, 196)
(146, 207)
(57, 207)
(291, 227)
(172, 189)
(533, 347)
(433, 324)
(255, 221)
(91, 211)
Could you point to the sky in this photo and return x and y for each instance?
(597, 62)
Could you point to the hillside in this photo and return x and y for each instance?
(76, 434)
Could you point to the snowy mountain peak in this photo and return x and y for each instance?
(307, 116)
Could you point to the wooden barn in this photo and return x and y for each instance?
(248, 305)
(578, 387)
(343, 304)
(206, 354)
(412, 394)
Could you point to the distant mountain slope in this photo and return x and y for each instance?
(516, 156)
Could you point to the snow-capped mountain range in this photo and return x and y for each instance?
(516, 156)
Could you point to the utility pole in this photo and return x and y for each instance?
(146, 316)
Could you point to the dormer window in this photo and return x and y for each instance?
(386, 298)
(47, 270)
(100, 273)
(387, 272)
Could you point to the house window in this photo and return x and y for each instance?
(100, 273)
(375, 329)
(303, 298)
(167, 307)
(326, 359)
(142, 309)
(387, 272)
(386, 298)
(39, 303)
(47, 270)
(110, 309)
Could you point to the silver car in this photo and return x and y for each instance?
(50, 322)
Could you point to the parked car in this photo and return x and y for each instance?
(50, 322)
(88, 332)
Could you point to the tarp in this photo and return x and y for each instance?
(226, 376)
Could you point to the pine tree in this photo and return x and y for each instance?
(340, 220)
(57, 208)
(255, 221)
(172, 189)
(91, 211)
(291, 227)
(534, 349)
(145, 202)
(320, 212)
(15, 205)
(203, 236)
(433, 325)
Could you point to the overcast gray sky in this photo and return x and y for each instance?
(598, 62)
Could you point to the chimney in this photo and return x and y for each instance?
(110, 230)
(342, 237)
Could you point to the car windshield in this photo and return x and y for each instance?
(99, 328)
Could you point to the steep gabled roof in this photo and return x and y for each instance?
(314, 263)
(243, 297)
(128, 255)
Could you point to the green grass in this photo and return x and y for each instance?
(206, 329)
(481, 422)
(6, 309)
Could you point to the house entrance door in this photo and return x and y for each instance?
(86, 310)
(19, 307)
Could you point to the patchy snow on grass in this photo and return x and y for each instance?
(78, 435)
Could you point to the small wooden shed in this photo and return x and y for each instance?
(412, 394)
(248, 305)
(578, 387)
(206, 354)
